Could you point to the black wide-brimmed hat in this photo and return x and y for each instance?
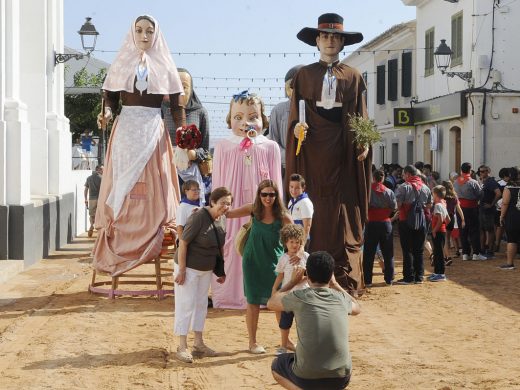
(329, 23)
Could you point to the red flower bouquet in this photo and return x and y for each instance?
(188, 137)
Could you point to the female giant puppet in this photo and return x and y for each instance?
(240, 163)
(139, 191)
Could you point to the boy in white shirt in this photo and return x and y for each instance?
(189, 203)
(300, 206)
(292, 237)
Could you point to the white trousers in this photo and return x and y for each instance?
(191, 301)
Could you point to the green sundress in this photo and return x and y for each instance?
(261, 253)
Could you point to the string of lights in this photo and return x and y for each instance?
(227, 103)
(229, 97)
(270, 54)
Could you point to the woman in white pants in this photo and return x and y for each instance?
(194, 263)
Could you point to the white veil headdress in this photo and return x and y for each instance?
(163, 78)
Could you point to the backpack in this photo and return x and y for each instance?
(416, 219)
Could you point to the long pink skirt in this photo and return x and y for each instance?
(135, 236)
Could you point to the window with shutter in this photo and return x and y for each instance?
(406, 74)
(365, 92)
(456, 39)
(392, 79)
(429, 42)
(380, 98)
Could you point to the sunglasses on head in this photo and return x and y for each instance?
(269, 194)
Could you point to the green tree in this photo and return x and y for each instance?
(82, 109)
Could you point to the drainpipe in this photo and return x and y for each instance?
(483, 130)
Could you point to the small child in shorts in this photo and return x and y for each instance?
(189, 203)
(439, 221)
(292, 237)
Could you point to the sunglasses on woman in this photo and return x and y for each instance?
(268, 194)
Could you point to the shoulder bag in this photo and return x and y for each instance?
(218, 270)
(242, 236)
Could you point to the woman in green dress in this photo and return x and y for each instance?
(261, 252)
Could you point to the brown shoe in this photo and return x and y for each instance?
(90, 232)
(204, 350)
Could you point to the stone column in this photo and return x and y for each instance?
(18, 141)
(60, 139)
(3, 34)
(33, 88)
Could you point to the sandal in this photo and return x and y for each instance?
(431, 260)
(184, 356)
(257, 349)
(448, 261)
(204, 350)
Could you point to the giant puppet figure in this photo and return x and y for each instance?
(337, 171)
(241, 162)
(140, 189)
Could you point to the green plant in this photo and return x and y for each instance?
(365, 130)
(82, 109)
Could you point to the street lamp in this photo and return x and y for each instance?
(88, 36)
(443, 55)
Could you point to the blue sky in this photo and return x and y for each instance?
(231, 26)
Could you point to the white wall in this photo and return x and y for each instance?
(77, 181)
(389, 45)
(364, 62)
(477, 38)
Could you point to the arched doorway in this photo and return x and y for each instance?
(455, 148)
(427, 153)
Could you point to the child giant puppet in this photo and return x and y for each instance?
(336, 169)
(240, 163)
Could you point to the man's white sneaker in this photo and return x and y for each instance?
(465, 257)
(479, 257)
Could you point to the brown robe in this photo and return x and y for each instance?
(337, 183)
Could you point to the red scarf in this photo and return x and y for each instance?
(415, 181)
(378, 187)
(464, 178)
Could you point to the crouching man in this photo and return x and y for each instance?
(322, 359)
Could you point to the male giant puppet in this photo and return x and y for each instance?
(337, 171)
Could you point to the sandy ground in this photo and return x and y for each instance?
(55, 335)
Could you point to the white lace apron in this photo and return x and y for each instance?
(136, 137)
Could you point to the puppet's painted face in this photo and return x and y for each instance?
(144, 34)
(330, 44)
(244, 115)
(186, 85)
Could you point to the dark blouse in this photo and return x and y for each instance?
(146, 100)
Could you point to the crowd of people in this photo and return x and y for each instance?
(310, 229)
(467, 217)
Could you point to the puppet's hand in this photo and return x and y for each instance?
(192, 155)
(102, 120)
(363, 154)
(298, 128)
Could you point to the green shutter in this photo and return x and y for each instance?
(392, 79)
(428, 52)
(380, 94)
(456, 39)
(406, 74)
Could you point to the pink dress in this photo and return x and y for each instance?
(240, 171)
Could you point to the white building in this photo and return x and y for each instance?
(37, 202)
(477, 120)
(387, 64)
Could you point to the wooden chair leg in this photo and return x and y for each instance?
(93, 280)
(111, 294)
